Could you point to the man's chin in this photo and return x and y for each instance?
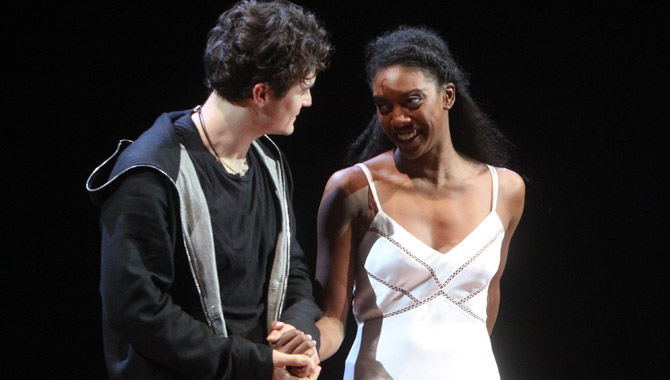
(288, 131)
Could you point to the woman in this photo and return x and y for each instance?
(419, 233)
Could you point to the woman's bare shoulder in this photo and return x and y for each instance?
(511, 181)
(352, 179)
(512, 190)
(346, 181)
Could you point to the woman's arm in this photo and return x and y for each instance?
(511, 197)
(343, 203)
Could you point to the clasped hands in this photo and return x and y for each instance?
(294, 355)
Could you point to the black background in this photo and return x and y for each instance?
(578, 89)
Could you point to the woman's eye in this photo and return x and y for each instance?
(383, 108)
(414, 101)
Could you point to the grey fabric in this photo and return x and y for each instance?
(199, 242)
(280, 268)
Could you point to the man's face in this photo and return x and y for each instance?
(283, 111)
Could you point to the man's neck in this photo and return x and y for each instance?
(230, 128)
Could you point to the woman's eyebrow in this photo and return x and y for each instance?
(379, 97)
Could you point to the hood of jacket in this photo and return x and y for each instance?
(159, 149)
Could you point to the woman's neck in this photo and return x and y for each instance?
(442, 167)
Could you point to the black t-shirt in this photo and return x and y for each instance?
(245, 227)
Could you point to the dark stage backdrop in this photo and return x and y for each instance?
(577, 88)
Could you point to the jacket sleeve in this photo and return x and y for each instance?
(300, 309)
(140, 232)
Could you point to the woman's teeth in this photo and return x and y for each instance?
(406, 135)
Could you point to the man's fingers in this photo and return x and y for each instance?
(308, 370)
(280, 359)
(278, 328)
(302, 372)
(273, 336)
(315, 374)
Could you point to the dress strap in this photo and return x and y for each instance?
(494, 188)
(371, 183)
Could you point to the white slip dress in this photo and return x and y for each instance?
(421, 314)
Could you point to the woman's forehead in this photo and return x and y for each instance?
(401, 77)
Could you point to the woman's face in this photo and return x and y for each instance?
(412, 109)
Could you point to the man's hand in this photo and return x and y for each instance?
(286, 339)
(282, 362)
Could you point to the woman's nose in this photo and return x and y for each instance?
(399, 118)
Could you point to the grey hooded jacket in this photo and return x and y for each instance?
(174, 327)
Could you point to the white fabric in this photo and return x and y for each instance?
(422, 314)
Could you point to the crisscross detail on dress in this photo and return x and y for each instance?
(441, 285)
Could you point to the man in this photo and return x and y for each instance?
(199, 258)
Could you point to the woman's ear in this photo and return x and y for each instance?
(449, 96)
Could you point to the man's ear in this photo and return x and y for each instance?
(260, 93)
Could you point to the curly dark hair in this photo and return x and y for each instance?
(473, 133)
(264, 42)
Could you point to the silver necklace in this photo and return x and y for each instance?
(243, 168)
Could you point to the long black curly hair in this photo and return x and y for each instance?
(473, 133)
